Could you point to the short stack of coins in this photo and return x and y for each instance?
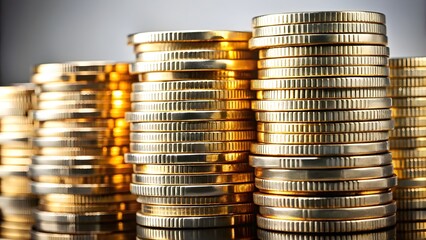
(191, 129)
(80, 138)
(408, 143)
(322, 161)
(16, 200)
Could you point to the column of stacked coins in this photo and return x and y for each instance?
(16, 200)
(191, 129)
(80, 139)
(322, 163)
(408, 145)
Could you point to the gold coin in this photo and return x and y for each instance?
(322, 61)
(106, 207)
(324, 116)
(407, 92)
(164, 137)
(81, 199)
(194, 54)
(317, 28)
(317, 39)
(106, 179)
(15, 160)
(323, 104)
(410, 173)
(74, 67)
(318, 17)
(408, 81)
(189, 116)
(407, 62)
(188, 36)
(407, 72)
(321, 138)
(78, 142)
(212, 210)
(419, 152)
(191, 169)
(114, 124)
(346, 149)
(192, 126)
(332, 127)
(321, 94)
(409, 102)
(83, 96)
(82, 132)
(191, 84)
(181, 46)
(191, 105)
(78, 170)
(191, 95)
(188, 65)
(172, 179)
(325, 174)
(198, 75)
(333, 71)
(190, 147)
(405, 163)
(222, 199)
(328, 214)
(114, 104)
(83, 151)
(327, 50)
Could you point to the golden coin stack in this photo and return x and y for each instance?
(408, 143)
(16, 200)
(322, 161)
(191, 129)
(80, 139)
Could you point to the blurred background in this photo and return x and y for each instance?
(39, 31)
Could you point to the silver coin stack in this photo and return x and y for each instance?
(322, 161)
(191, 129)
(408, 142)
(16, 200)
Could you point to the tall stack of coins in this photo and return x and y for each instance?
(16, 200)
(408, 145)
(80, 139)
(191, 129)
(322, 162)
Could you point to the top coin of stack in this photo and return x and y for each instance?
(16, 200)
(80, 139)
(322, 161)
(191, 129)
(408, 142)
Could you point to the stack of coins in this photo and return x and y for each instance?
(191, 129)
(408, 143)
(80, 139)
(16, 200)
(322, 161)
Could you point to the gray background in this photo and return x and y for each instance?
(37, 31)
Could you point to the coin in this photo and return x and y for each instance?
(359, 225)
(329, 214)
(218, 178)
(323, 71)
(325, 174)
(198, 75)
(335, 187)
(194, 54)
(193, 105)
(202, 211)
(272, 235)
(346, 149)
(213, 136)
(191, 169)
(190, 147)
(189, 116)
(325, 104)
(319, 83)
(317, 39)
(191, 36)
(310, 28)
(324, 50)
(191, 84)
(323, 116)
(321, 138)
(339, 127)
(194, 45)
(321, 17)
(305, 162)
(185, 158)
(318, 202)
(222, 199)
(191, 95)
(192, 126)
(322, 61)
(194, 222)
